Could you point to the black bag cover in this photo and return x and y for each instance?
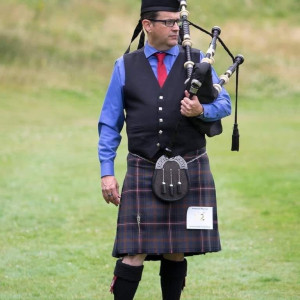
(206, 94)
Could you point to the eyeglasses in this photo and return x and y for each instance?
(169, 22)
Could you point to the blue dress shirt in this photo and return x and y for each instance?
(112, 116)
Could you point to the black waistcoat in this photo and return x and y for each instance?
(152, 112)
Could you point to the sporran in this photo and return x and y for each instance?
(170, 181)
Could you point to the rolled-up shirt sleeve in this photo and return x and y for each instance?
(111, 120)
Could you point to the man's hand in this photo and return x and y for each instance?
(190, 107)
(110, 190)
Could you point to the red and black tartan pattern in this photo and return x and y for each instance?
(149, 225)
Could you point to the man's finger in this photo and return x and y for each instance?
(187, 94)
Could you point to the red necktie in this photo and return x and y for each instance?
(161, 68)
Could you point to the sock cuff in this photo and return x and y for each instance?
(130, 273)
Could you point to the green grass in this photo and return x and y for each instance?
(56, 231)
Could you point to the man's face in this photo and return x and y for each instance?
(161, 36)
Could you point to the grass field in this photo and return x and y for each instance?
(56, 231)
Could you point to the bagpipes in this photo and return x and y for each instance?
(199, 78)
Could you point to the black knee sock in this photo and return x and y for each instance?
(126, 280)
(172, 278)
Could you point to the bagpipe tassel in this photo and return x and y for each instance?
(235, 138)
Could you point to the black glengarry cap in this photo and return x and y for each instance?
(160, 5)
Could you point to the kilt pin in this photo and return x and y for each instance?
(149, 225)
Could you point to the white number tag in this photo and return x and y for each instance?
(199, 217)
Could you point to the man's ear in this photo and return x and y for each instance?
(147, 25)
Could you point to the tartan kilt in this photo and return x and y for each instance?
(147, 225)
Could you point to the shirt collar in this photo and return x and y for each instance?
(149, 50)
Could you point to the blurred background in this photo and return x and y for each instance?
(56, 231)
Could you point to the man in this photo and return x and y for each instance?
(149, 228)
